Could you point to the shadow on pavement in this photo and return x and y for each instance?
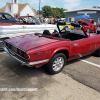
(14, 75)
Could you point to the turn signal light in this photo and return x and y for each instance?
(25, 55)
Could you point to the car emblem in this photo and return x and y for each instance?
(40, 53)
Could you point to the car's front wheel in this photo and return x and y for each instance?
(88, 30)
(56, 63)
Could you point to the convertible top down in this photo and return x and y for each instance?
(53, 49)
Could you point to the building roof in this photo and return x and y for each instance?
(9, 5)
(2, 9)
(20, 8)
(35, 13)
(95, 9)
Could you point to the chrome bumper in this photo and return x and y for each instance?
(23, 62)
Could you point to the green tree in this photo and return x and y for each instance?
(58, 12)
(62, 12)
(46, 11)
(55, 12)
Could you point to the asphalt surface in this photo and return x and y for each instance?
(87, 73)
(85, 70)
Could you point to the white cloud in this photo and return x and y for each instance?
(71, 4)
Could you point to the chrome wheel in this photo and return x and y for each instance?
(58, 63)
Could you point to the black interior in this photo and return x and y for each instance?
(68, 34)
(73, 36)
(46, 32)
(65, 33)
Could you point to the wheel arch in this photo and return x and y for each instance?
(63, 50)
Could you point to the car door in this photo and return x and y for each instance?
(33, 28)
(82, 47)
(11, 31)
(7, 18)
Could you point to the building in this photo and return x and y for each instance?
(93, 12)
(14, 8)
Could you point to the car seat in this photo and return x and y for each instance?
(55, 34)
(46, 32)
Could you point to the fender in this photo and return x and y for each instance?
(86, 27)
(59, 49)
(95, 28)
(99, 45)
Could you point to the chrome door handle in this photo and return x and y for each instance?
(75, 44)
(24, 26)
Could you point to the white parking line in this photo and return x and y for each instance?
(90, 63)
(2, 52)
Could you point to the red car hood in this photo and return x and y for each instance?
(28, 42)
(83, 22)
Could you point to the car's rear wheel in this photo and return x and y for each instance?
(56, 63)
(97, 52)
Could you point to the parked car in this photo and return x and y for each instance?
(28, 20)
(68, 25)
(88, 25)
(53, 50)
(11, 27)
(7, 18)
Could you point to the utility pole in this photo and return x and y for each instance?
(39, 8)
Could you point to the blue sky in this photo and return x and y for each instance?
(66, 4)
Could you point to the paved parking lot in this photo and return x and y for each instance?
(79, 80)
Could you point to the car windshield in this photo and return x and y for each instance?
(88, 21)
(31, 19)
(7, 17)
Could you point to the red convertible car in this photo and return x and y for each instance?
(53, 49)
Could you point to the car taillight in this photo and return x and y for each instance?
(14, 49)
(9, 46)
(24, 54)
(18, 51)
